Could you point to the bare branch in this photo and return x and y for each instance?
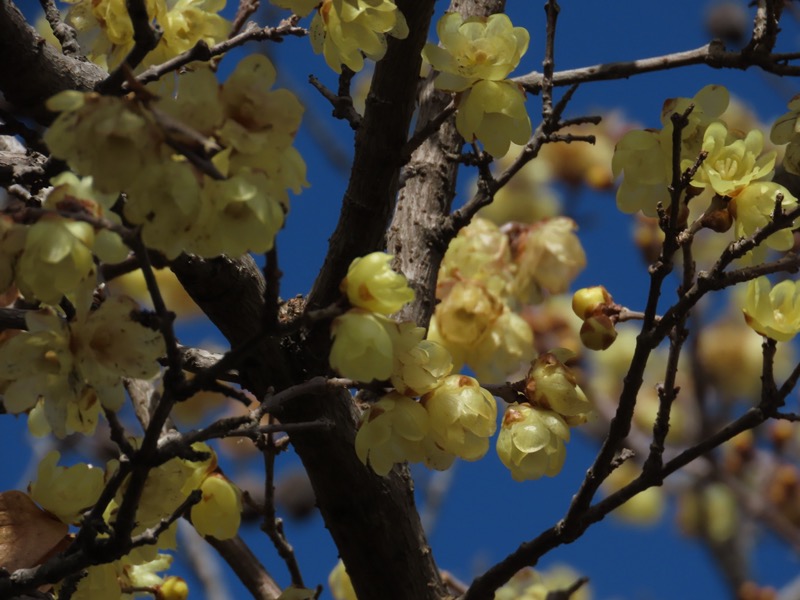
(201, 50)
(65, 34)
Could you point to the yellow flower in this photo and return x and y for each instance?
(187, 22)
(77, 368)
(645, 157)
(419, 364)
(549, 256)
(493, 112)
(550, 384)
(465, 315)
(753, 209)
(527, 584)
(478, 48)
(462, 416)
(102, 136)
(371, 284)
(167, 205)
(110, 343)
(198, 104)
(261, 124)
(786, 130)
(66, 491)
(56, 259)
(344, 29)
(507, 345)
(219, 512)
(391, 431)
(183, 23)
(787, 125)
(38, 363)
(531, 442)
(773, 312)
(640, 157)
(480, 252)
(362, 346)
(340, 584)
(240, 214)
(732, 164)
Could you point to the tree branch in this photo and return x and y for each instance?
(38, 70)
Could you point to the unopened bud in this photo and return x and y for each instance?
(598, 332)
(587, 301)
(552, 385)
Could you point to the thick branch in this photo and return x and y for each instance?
(37, 70)
(380, 139)
(428, 191)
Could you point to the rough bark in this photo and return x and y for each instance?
(430, 185)
(372, 189)
(31, 70)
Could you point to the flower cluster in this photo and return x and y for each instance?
(67, 492)
(533, 434)
(344, 31)
(106, 29)
(486, 273)
(227, 190)
(63, 373)
(733, 177)
(645, 157)
(474, 59)
(454, 416)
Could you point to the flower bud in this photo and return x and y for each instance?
(462, 416)
(174, 588)
(531, 442)
(372, 285)
(362, 346)
(466, 314)
(219, 512)
(598, 332)
(552, 385)
(420, 367)
(587, 301)
(391, 431)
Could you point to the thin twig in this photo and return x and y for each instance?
(150, 536)
(145, 38)
(427, 131)
(342, 105)
(272, 525)
(712, 54)
(551, 9)
(201, 51)
(246, 9)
